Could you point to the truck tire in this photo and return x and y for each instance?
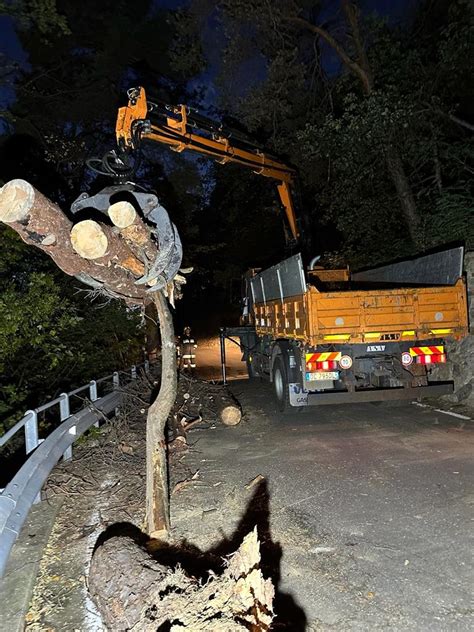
(280, 385)
(252, 373)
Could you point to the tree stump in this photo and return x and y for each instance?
(134, 591)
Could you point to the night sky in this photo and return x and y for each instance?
(395, 11)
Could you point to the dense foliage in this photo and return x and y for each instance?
(52, 336)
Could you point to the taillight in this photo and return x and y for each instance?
(326, 365)
(431, 359)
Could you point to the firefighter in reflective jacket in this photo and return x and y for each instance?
(188, 350)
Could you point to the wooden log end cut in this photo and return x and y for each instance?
(88, 239)
(16, 200)
(122, 214)
(231, 415)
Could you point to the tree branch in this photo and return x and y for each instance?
(352, 18)
(352, 65)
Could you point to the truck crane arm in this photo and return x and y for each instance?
(180, 128)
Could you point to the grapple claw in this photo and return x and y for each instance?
(170, 252)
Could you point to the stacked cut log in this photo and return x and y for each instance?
(94, 252)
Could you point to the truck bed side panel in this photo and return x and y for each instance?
(359, 316)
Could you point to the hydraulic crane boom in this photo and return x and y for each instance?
(182, 129)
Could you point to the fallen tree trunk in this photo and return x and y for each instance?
(42, 224)
(133, 591)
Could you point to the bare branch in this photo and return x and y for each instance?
(352, 65)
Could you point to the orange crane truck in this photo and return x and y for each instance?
(328, 337)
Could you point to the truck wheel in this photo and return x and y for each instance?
(252, 373)
(280, 385)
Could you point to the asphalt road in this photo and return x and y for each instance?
(366, 512)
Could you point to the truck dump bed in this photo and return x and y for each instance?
(286, 306)
(356, 316)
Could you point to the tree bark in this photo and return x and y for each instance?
(42, 224)
(157, 492)
(152, 331)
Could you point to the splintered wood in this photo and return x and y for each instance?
(132, 590)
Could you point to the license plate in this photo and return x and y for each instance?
(322, 375)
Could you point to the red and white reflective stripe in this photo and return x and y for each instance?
(327, 365)
(431, 359)
(323, 356)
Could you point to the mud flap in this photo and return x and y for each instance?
(298, 397)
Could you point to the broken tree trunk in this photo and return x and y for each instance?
(133, 591)
(42, 224)
(157, 493)
(228, 409)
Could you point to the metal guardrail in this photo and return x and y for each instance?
(24, 489)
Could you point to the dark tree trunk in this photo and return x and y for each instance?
(404, 192)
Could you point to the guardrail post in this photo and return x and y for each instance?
(65, 414)
(31, 431)
(134, 372)
(31, 437)
(93, 396)
(115, 380)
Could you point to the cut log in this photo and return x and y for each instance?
(228, 409)
(41, 223)
(133, 591)
(89, 240)
(133, 230)
(92, 240)
(122, 214)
